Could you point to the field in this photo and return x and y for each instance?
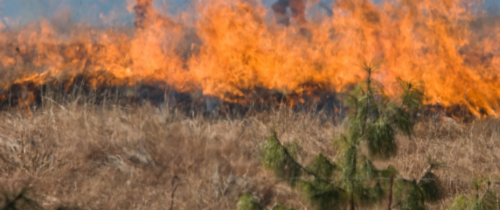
(85, 156)
(178, 111)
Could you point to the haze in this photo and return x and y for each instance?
(107, 12)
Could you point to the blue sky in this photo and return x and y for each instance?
(22, 11)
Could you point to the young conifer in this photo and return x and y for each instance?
(484, 199)
(354, 181)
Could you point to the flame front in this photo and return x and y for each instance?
(229, 48)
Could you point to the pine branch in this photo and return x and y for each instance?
(352, 203)
(174, 186)
(248, 202)
(426, 171)
(484, 194)
(390, 193)
(298, 164)
(368, 93)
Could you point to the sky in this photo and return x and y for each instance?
(17, 12)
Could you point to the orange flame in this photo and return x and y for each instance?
(229, 48)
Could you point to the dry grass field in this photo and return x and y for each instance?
(105, 157)
(115, 151)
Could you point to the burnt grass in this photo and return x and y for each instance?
(104, 90)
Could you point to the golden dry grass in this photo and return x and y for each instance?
(96, 157)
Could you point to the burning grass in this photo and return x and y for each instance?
(229, 49)
(87, 156)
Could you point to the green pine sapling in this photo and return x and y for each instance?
(484, 199)
(373, 121)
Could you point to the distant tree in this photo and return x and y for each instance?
(373, 121)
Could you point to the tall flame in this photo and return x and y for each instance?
(229, 48)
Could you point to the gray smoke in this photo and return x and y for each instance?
(18, 12)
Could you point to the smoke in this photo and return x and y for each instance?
(114, 12)
(493, 7)
(21, 12)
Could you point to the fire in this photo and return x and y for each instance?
(230, 49)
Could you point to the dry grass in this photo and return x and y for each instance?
(95, 157)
